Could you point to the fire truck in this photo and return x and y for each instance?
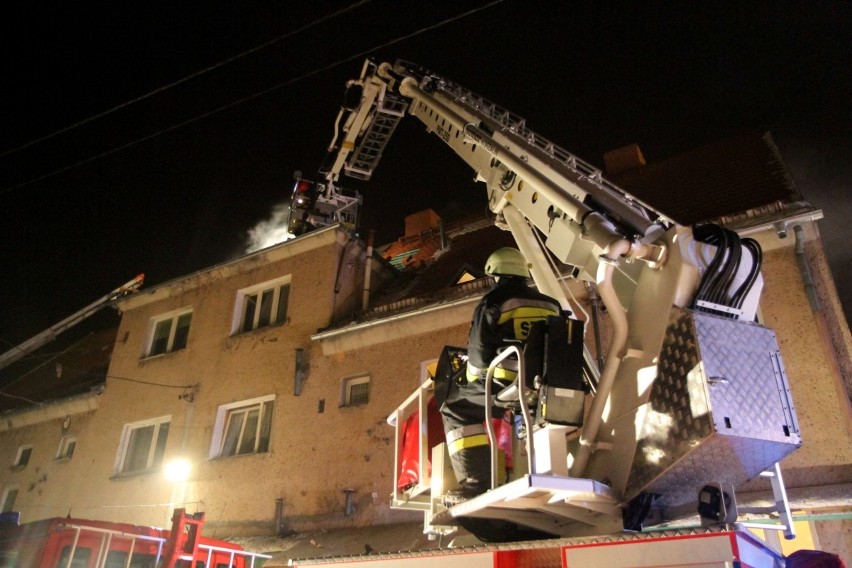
(690, 400)
(79, 543)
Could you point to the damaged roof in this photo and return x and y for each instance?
(74, 363)
(440, 264)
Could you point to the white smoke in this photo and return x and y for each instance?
(271, 231)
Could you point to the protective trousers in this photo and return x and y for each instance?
(464, 413)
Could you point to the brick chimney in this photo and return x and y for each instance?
(623, 159)
(421, 221)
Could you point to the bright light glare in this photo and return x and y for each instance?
(177, 471)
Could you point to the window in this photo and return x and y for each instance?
(118, 559)
(168, 333)
(81, 558)
(142, 445)
(355, 391)
(23, 457)
(9, 497)
(66, 447)
(243, 427)
(262, 306)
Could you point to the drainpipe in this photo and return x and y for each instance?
(279, 516)
(807, 279)
(368, 270)
(349, 508)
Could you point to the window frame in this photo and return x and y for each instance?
(23, 450)
(346, 385)
(5, 506)
(224, 414)
(256, 293)
(66, 442)
(152, 463)
(173, 316)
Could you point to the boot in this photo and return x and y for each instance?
(472, 467)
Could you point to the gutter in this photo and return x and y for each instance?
(780, 226)
(377, 322)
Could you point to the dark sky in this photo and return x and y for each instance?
(172, 183)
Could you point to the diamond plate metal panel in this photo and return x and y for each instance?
(719, 410)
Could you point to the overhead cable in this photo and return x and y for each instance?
(258, 94)
(185, 79)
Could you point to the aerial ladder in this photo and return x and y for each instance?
(677, 417)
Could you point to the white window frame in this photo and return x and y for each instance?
(5, 506)
(346, 386)
(123, 446)
(20, 455)
(65, 443)
(174, 316)
(222, 415)
(256, 291)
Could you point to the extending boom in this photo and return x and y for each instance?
(681, 305)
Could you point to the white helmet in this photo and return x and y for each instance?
(507, 261)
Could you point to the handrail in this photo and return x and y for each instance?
(525, 410)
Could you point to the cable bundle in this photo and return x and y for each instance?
(715, 290)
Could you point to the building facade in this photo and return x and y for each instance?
(269, 379)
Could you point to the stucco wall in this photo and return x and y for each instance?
(826, 453)
(45, 481)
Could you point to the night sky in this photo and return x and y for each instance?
(171, 183)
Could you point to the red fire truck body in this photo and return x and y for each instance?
(79, 543)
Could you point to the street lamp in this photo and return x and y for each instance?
(177, 471)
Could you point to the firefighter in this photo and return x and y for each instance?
(501, 318)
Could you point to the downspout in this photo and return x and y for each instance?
(822, 326)
(807, 278)
(368, 271)
(588, 438)
(337, 283)
(279, 516)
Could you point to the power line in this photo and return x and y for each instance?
(185, 79)
(256, 95)
(149, 383)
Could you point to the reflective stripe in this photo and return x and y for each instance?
(467, 442)
(461, 432)
(469, 436)
(475, 373)
(522, 317)
(526, 312)
(515, 303)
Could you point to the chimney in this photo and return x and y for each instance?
(623, 159)
(421, 221)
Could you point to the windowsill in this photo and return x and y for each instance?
(161, 355)
(260, 329)
(18, 467)
(132, 474)
(255, 454)
(63, 459)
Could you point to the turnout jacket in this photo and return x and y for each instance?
(506, 312)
